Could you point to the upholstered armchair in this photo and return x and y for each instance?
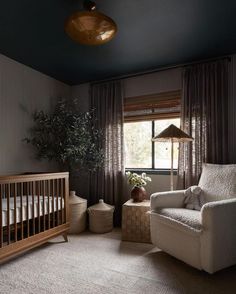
(204, 239)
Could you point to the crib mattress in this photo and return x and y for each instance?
(31, 212)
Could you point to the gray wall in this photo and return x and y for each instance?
(81, 92)
(158, 82)
(23, 90)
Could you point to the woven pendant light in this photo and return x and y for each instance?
(90, 27)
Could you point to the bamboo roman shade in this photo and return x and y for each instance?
(151, 107)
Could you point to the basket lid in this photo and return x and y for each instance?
(101, 206)
(73, 199)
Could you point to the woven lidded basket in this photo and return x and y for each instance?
(78, 213)
(101, 217)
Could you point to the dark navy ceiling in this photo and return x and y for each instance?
(151, 34)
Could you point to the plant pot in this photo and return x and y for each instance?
(138, 194)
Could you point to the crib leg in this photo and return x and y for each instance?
(65, 237)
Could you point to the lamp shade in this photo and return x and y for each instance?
(174, 134)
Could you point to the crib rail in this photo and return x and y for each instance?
(31, 205)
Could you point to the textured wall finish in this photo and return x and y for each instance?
(22, 90)
(81, 92)
(162, 81)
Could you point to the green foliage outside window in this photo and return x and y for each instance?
(138, 145)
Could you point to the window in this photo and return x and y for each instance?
(141, 152)
(145, 117)
(162, 150)
(138, 147)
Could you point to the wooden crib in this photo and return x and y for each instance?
(33, 209)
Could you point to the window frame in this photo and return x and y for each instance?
(153, 170)
(149, 171)
(169, 102)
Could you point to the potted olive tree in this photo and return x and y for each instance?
(67, 137)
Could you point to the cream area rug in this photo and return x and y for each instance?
(95, 264)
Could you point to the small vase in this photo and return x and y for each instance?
(138, 194)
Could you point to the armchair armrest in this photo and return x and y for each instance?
(218, 238)
(219, 213)
(171, 199)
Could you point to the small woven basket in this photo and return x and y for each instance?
(101, 217)
(77, 213)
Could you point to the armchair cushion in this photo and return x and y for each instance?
(218, 181)
(188, 217)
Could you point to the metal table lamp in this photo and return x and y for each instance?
(172, 134)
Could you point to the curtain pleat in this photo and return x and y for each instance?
(107, 183)
(204, 113)
(232, 110)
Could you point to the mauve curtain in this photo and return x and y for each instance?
(204, 116)
(107, 183)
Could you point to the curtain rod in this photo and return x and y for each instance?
(122, 77)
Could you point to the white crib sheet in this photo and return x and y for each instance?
(30, 208)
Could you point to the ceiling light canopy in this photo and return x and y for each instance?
(90, 27)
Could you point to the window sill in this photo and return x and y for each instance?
(151, 171)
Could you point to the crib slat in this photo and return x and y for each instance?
(48, 192)
(1, 197)
(62, 193)
(53, 208)
(8, 214)
(15, 221)
(33, 210)
(27, 206)
(57, 192)
(44, 224)
(39, 203)
(21, 210)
